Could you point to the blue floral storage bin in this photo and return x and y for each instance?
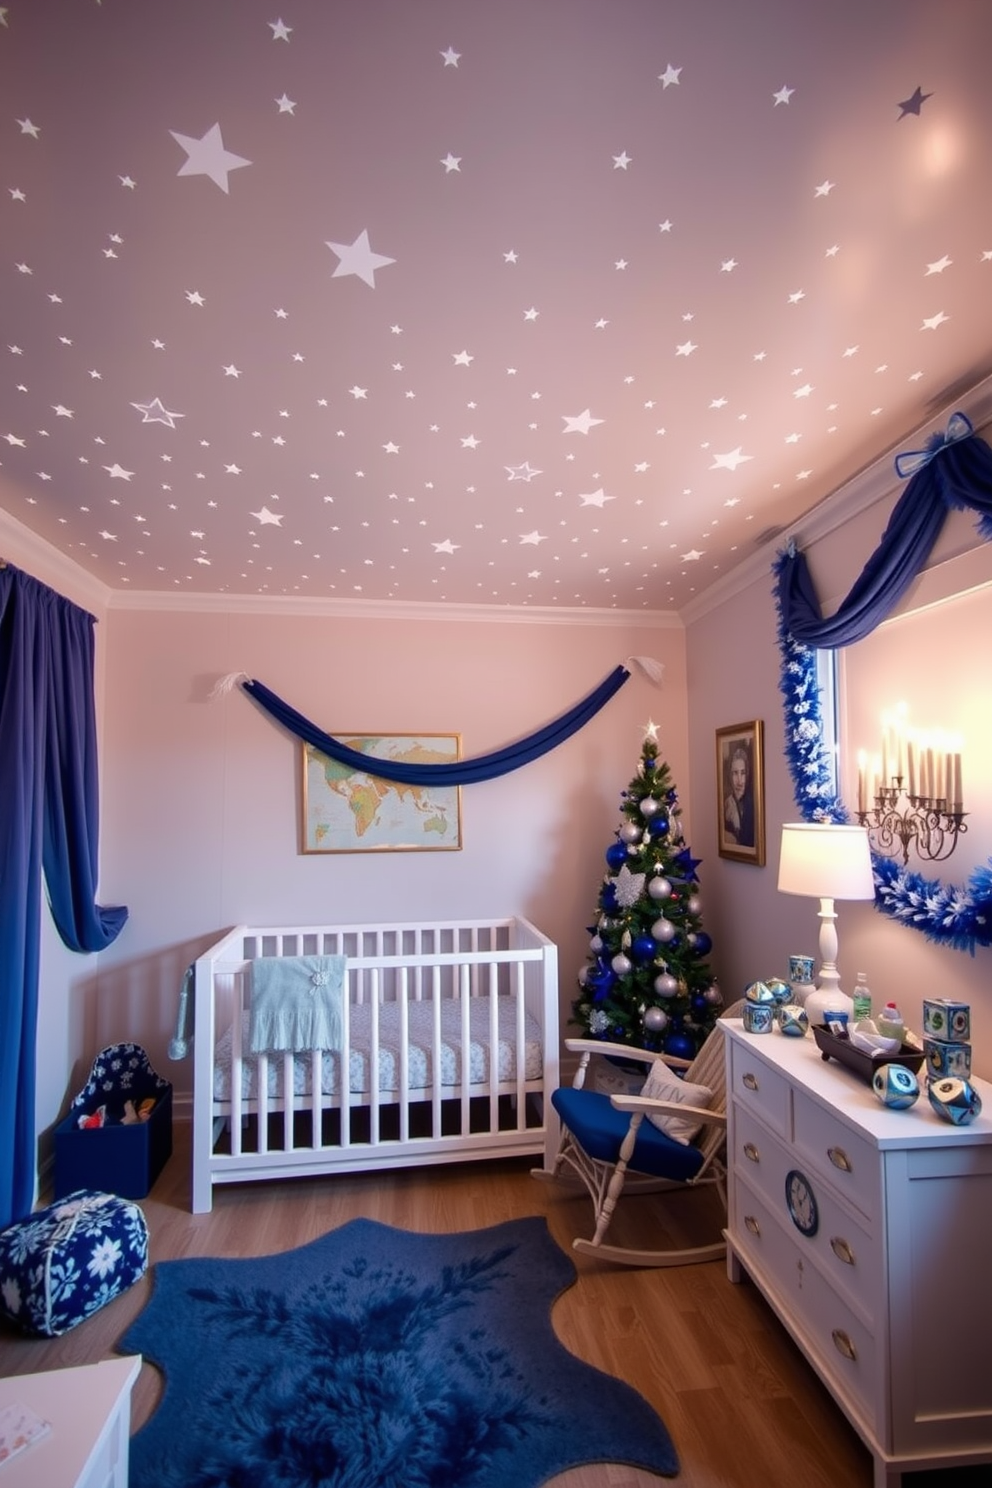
(124, 1155)
(63, 1263)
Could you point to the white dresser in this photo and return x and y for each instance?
(89, 1410)
(869, 1232)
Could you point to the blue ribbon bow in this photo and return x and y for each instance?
(910, 461)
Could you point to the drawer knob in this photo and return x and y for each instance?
(843, 1344)
(842, 1250)
(749, 1081)
(840, 1159)
(751, 1152)
(750, 1223)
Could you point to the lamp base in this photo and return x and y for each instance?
(826, 999)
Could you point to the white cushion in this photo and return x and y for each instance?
(664, 1084)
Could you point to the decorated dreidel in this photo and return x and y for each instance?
(896, 1086)
(955, 1100)
(792, 1020)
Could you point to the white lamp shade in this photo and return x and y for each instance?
(825, 861)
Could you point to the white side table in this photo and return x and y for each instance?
(89, 1409)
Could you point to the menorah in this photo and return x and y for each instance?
(930, 825)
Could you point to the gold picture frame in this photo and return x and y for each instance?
(740, 792)
(352, 810)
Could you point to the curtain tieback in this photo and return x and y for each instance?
(910, 461)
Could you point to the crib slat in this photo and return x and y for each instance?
(466, 1044)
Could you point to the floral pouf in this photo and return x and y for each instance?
(61, 1264)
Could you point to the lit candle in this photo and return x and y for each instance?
(911, 765)
(928, 780)
(957, 798)
(940, 775)
(873, 778)
(885, 755)
(862, 779)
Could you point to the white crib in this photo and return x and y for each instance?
(450, 1041)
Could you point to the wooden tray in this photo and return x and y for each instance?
(859, 1063)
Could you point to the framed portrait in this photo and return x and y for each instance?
(740, 789)
(354, 810)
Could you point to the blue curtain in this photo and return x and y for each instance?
(48, 824)
(954, 470)
(464, 772)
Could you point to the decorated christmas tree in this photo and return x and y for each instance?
(646, 981)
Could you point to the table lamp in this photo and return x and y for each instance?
(826, 861)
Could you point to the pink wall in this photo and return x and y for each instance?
(201, 820)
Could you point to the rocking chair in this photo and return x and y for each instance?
(607, 1144)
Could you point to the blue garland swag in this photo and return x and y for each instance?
(959, 917)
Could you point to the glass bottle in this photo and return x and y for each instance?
(862, 999)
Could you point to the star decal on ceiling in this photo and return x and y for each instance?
(452, 163)
(359, 259)
(117, 472)
(285, 104)
(939, 265)
(595, 498)
(914, 103)
(686, 349)
(155, 412)
(621, 161)
(523, 472)
(462, 358)
(451, 57)
(783, 95)
(934, 321)
(670, 76)
(579, 423)
(208, 157)
(28, 128)
(280, 31)
(730, 460)
(693, 556)
(532, 538)
(445, 547)
(265, 518)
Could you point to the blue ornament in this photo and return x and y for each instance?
(955, 1100)
(896, 1086)
(643, 947)
(608, 898)
(680, 1045)
(701, 943)
(699, 1004)
(658, 825)
(616, 855)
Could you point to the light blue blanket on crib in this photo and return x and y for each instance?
(296, 1002)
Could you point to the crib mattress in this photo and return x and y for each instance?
(420, 1051)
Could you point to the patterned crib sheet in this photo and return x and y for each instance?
(421, 1064)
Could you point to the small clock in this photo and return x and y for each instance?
(801, 1202)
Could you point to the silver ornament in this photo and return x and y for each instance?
(659, 887)
(596, 944)
(649, 806)
(666, 985)
(663, 931)
(621, 964)
(694, 904)
(655, 1019)
(630, 832)
(714, 996)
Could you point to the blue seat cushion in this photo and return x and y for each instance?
(600, 1129)
(61, 1264)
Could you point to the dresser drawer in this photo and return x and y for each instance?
(849, 1162)
(843, 1345)
(845, 1249)
(754, 1086)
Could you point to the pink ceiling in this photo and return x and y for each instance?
(515, 302)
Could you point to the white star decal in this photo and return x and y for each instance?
(783, 95)
(452, 163)
(802, 392)
(462, 358)
(531, 314)
(523, 472)
(510, 257)
(532, 538)
(61, 411)
(728, 266)
(796, 296)
(358, 258)
(13, 439)
(939, 265)
(280, 31)
(231, 371)
(155, 412)
(207, 157)
(731, 460)
(470, 442)
(579, 423)
(934, 321)
(286, 105)
(621, 162)
(693, 556)
(28, 128)
(116, 472)
(195, 297)
(265, 518)
(686, 349)
(669, 76)
(450, 57)
(391, 448)
(824, 188)
(595, 498)
(445, 547)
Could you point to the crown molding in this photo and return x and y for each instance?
(25, 549)
(873, 484)
(396, 610)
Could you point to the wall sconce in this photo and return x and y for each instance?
(911, 795)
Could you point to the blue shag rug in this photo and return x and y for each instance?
(379, 1358)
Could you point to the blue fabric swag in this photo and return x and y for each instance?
(463, 772)
(953, 471)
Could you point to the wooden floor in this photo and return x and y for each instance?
(741, 1403)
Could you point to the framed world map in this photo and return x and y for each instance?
(350, 810)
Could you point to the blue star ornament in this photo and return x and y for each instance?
(687, 864)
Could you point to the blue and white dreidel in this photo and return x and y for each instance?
(896, 1086)
(955, 1100)
(781, 991)
(792, 1020)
